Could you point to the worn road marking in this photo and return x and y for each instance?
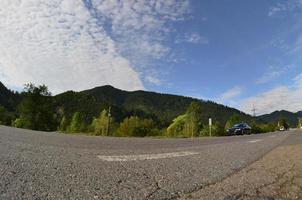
(254, 141)
(125, 158)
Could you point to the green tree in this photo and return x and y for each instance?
(2, 114)
(177, 126)
(216, 130)
(193, 123)
(101, 124)
(188, 124)
(63, 124)
(5, 116)
(35, 109)
(235, 119)
(300, 123)
(134, 126)
(77, 124)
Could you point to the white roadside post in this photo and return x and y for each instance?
(210, 126)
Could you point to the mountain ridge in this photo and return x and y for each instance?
(291, 117)
(165, 107)
(159, 106)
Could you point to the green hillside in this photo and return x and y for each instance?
(291, 118)
(163, 108)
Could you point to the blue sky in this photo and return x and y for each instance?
(237, 52)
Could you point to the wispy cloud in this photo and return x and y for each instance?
(278, 98)
(287, 6)
(276, 9)
(153, 80)
(196, 38)
(69, 44)
(268, 76)
(193, 38)
(273, 73)
(231, 93)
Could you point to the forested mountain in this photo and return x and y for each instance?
(8, 99)
(162, 108)
(273, 117)
(83, 109)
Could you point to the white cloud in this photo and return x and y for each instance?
(296, 48)
(194, 38)
(290, 39)
(273, 73)
(231, 93)
(276, 9)
(153, 80)
(268, 76)
(141, 26)
(298, 81)
(70, 44)
(290, 5)
(279, 98)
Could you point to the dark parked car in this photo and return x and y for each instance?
(240, 129)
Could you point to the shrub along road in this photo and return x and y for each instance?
(39, 165)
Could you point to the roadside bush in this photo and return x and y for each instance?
(263, 128)
(217, 130)
(20, 123)
(134, 126)
(269, 127)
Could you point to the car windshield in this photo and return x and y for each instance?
(239, 125)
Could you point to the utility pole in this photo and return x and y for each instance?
(210, 126)
(192, 129)
(254, 111)
(109, 116)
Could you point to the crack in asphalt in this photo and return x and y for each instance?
(155, 183)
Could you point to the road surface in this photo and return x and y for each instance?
(39, 165)
(276, 176)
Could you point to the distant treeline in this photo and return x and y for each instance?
(112, 112)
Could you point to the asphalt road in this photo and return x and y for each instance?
(276, 176)
(39, 165)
